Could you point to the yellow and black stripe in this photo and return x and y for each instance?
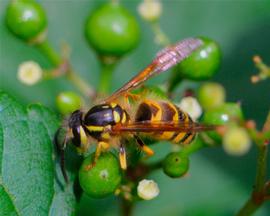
(164, 111)
(101, 116)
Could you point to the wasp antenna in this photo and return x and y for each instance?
(60, 150)
(62, 165)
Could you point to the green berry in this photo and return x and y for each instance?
(26, 19)
(236, 141)
(112, 31)
(68, 102)
(176, 164)
(102, 179)
(211, 95)
(203, 63)
(224, 114)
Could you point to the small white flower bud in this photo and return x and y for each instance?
(147, 189)
(150, 10)
(236, 141)
(191, 106)
(29, 72)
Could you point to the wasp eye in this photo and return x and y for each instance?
(76, 140)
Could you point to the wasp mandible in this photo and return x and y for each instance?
(113, 120)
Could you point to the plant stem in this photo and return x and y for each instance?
(80, 84)
(258, 196)
(264, 70)
(248, 209)
(106, 77)
(160, 36)
(49, 52)
(63, 68)
(126, 207)
(261, 169)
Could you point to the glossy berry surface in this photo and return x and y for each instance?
(68, 102)
(26, 19)
(203, 63)
(176, 164)
(102, 179)
(211, 95)
(111, 30)
(224, 114)
(236, 141)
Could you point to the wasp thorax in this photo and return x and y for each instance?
(102, 116)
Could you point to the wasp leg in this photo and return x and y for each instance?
(123, 157)
(128, 96)
(99, 148)
(61, 151)
(144, 147)
(132, 96)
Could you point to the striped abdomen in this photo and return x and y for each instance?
(156, 111)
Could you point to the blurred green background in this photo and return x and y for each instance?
(217, 184)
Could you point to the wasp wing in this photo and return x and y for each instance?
(164, 60)
(148, 126)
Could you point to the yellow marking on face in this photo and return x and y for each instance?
(113, 105)
(95, 128)
(105, 106)
(84, 142)
(124, 118)
(116, 117)
(83, 136)
(106, 135)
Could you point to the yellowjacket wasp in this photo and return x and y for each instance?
(114, 118)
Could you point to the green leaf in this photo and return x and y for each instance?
(27, 169)
(64, 202)
(7, 206)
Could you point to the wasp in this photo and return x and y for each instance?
(114, 119)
